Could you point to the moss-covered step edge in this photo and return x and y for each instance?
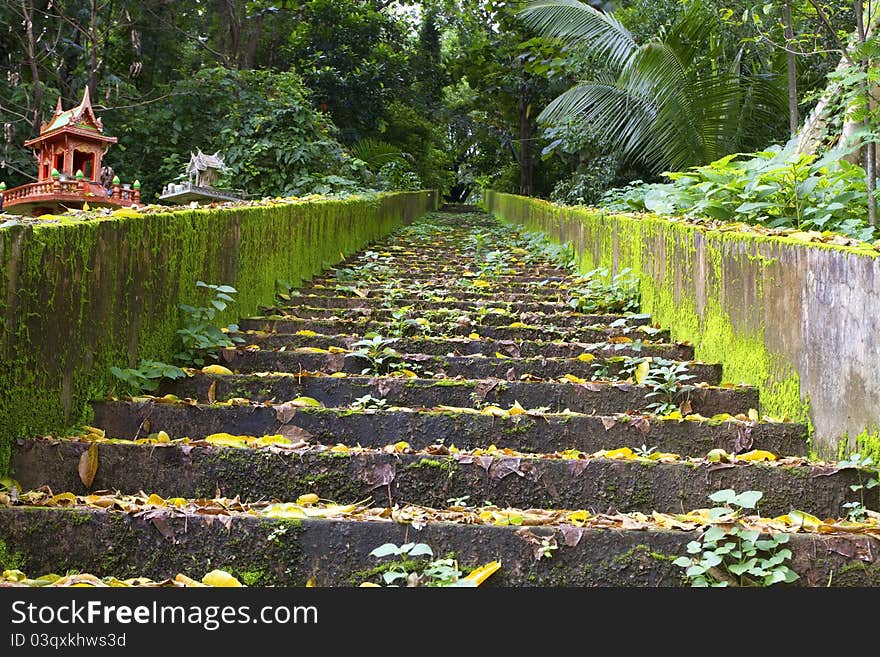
(542, 433)
(277, 552)
(404, 270)
(486, 346)
(599, 485)
(455, 293)
(438, 312)
(591, 398)
(596, 333)
(331, 302)
(243, 361)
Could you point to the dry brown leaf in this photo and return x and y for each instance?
(88, 465)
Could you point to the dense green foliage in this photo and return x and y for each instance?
(779, 188)
(289, 92)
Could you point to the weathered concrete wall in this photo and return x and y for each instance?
(79, 297)
(799, 320)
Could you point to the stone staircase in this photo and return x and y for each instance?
(439, 388)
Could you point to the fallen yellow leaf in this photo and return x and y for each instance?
(155, 500)
(757, 455)
(586, 358)
(220, 578)
(481, 574)
(307, 499)
(216, 369)
(622, 453)
(578, 518)
(226, 440)
(305, 401)
(642, 371)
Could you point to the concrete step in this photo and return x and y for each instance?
(590, 398)
(336, 552)
(537, 433)
(485, 346)
(432, 477)
(439, 313)
(511, 369)
(514, 331)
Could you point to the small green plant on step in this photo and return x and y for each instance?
(668, 385)
(730, 554)
(402, 325)
(409, 571)
(147, 376)
(368, 401)
(378, 352)
(857, 511)
(599, 292)
(199, 337)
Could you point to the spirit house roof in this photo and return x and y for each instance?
(80, 121)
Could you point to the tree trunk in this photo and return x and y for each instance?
(525, 148)
(93, 48)
(791, 69)
(27, 13)
(869, 148)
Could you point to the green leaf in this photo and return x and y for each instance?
(749, 535)
(682, 562)
(713, 534)
(710, 560)
(695, 570)
(748, 499)
(723, 496)
(420, 549)
(392, 576)
(388, 549)
(742, 567)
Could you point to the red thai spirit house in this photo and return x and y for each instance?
(69, 151)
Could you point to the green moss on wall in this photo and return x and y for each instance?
(79, 297)
(706, 286)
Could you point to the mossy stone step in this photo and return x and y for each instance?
(487, 347)
(339, 302)
(497, 293)
(599, 485)
(511, 369)
(410, 273)
(438, 311)
(278, 552)
(595, 333)
(544, 433)
(589, 398)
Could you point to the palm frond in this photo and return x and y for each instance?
(571, 21)
(377, 153)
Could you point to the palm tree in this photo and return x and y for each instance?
(665, 103)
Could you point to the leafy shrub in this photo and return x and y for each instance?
(778, 188)
(587, 184)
